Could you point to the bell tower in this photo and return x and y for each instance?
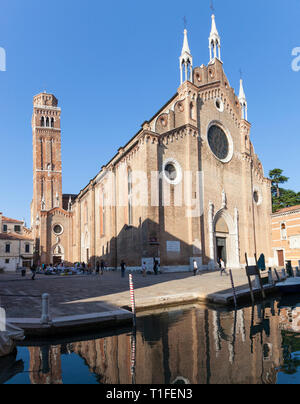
(47, 167)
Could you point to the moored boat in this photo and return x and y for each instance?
(9, 339)
(290, 285)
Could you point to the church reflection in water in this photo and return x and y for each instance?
(196, 345)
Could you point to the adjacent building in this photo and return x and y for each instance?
(188, 186)
(16, 244)
(286, 236)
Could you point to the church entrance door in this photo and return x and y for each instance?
(221, 249)
(56, 260)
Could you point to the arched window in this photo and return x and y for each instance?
(130, 211)
(42, 122)
(47, 122)
(283, 231)
(192, 111)
(52, 122)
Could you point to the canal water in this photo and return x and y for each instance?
(191, 345)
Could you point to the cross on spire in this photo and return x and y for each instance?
(212, 6)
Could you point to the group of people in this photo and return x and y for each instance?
(101, 266)
(77, 268)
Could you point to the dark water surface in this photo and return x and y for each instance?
(196, 345)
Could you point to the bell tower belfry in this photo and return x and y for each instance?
(47, 167)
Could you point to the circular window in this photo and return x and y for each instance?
(163, 122)
(172, 172)
(57, 229)
(219, 105)
(180, 107)
(257, 197)
(218, 142)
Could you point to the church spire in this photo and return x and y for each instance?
(243, 101)
(186, 60)
(214, 41)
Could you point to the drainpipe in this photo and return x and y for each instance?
(253, 215)
(116, 226)
(94, 225)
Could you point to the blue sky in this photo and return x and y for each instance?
(112, 65)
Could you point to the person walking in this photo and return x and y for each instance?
(195, 269)
(144, 269)
(223, 267)
(155, 267)
(33, 271)
(123, 268)
(102, 267)
(97, 268)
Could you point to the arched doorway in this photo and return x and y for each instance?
(222, 236)
(58, 255)
(226, 239)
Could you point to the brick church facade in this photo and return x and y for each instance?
(187, 186)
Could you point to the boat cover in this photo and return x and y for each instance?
(8, 339)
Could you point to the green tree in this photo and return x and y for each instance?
(282, 198)
(277, 178)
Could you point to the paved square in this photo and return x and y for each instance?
(76, 295)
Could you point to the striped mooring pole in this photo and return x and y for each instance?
(132, 298)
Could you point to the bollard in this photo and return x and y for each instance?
(257, 284)
(270, 277)
(45, 309)
(132, 299)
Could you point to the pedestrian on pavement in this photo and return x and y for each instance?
(223, 267)
(144, 269)
(83, 267)
(123, 268)
(33, 271)
(23, 272)
(97, 268)
(195, 269)
(102, 267)
(155, 267)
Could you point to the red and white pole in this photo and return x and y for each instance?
(132, 298)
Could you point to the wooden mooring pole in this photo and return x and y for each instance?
(233, 288)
